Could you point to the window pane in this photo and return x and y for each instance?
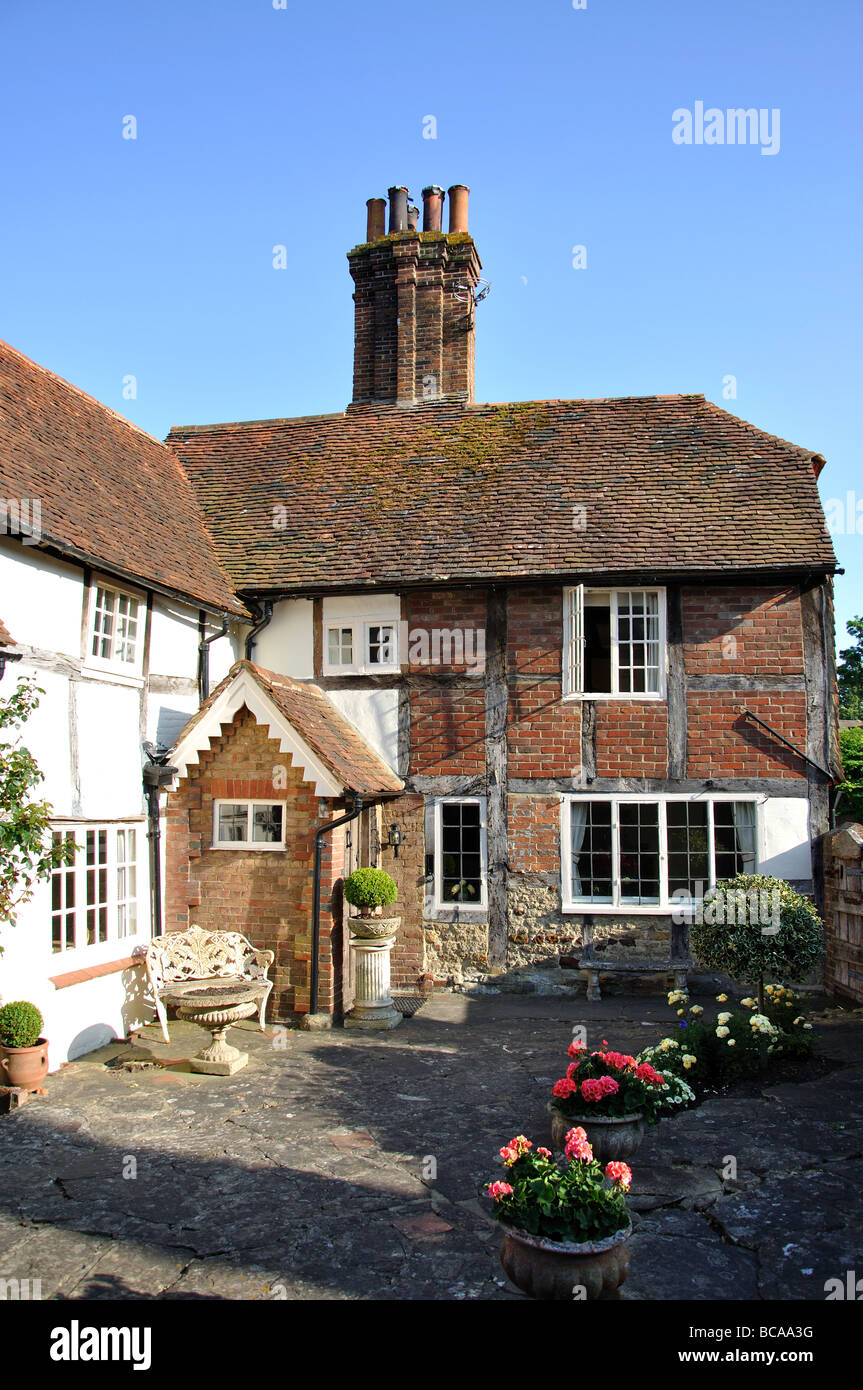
(461, 863)
(597, 643)
(103, 624)
(734, 838)
(381, 645)
(590, 826)
(639, 865)
(340, 646)
(267, 824)
(233, 823)
(638, 655)
(687, 847)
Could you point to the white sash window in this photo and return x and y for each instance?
(614, 643)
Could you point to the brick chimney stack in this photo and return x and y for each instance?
(414, 313)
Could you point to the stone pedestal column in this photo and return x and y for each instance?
(373, 1005)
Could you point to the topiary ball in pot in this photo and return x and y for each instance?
(369, 889)
(20, 1024)
(23, 1051)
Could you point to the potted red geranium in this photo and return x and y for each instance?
(566, 1224)
(611, 1094)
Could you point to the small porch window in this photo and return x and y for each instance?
(248, 825)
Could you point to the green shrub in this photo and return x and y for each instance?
(369, 888)
(753, 927)
(20, 1024)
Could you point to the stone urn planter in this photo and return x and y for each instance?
(26, 1067)
(548, 1269)
(374, 928)
(611, 1137)
(372, 941)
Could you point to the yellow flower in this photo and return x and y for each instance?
(799, 1019)
(731, 1042)
(722, 1032)
(721, 998)
(696, 1009)
(689, 1060)
(680, 1013)
(749, 1003)
(722, 1018)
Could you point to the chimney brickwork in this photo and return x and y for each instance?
(414, 312)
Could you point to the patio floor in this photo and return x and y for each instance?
(345, 1165)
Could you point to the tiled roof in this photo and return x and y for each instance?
(316, 719)
(6, 640)
(444, 491)
(109, 492)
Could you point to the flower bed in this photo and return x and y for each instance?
(711, 1055)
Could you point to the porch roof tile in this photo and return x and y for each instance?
(310, 712)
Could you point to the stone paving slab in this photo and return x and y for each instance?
(353, 1166)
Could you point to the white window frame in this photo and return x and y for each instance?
(91, 952)
(439, 903)
(617, 906)
(573, 643)
(360, 628)
(248, 844)
(132, 670)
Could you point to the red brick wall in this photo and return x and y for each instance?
(742, 631)
(722, 743)
(448, 731)
(631, 738)
(544, 733)
(266, 895)
(534, 834)
(463, 610)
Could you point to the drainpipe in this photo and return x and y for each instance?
(204, 654)
(157, 773)
(266, 618)
(316, 907)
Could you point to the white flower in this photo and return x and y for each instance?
(722, 1032)
(723, 1018)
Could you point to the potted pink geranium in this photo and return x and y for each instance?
(612, 1095)
(566, 1223)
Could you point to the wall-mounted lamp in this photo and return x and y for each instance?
(395, 838)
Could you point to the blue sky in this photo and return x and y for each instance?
(259, 127)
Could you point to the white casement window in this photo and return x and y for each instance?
(652, 853)
(115, 639)
(460, 853)
(358, 646)
(94, 899)
(614, 643)
(249, 825)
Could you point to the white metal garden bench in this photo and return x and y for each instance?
(195, 955)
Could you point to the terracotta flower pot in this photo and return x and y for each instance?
(611, 1137)
(561, 1269)
(26, 1067)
